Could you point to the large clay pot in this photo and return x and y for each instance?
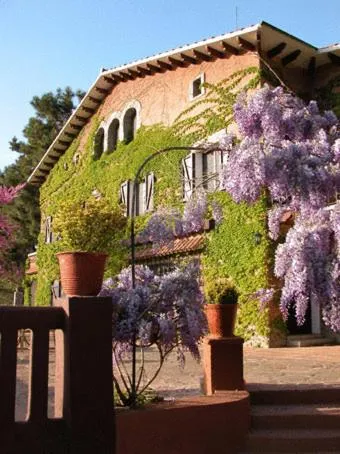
(81, 273)
(221, 319)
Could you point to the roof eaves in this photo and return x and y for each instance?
(288, 34)
(227, 36)
(330, 48)
(187, 47)
(62, 131)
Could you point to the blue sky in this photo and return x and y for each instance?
(45, 44)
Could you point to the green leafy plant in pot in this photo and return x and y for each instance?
(85, 231)
(221, 308)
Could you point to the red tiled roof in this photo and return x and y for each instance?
(178, 246)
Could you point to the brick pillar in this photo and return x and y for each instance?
(84, 389)
(223, 364)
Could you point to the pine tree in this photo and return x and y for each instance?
(51, 112)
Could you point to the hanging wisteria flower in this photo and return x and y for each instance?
(265, 296)
(290, 151)
(162, 227)
(166, 224)
(162, 311)
(194, 212)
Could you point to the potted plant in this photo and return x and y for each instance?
(85, 232)
(221, 308)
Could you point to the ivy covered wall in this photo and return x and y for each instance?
(238, 248)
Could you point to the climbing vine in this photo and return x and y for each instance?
(231, 249)
(328, 96)
(215, 111)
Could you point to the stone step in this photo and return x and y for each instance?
(305, 395)
(293, 441)
(314, 416)
(309, 340)
(304, 336)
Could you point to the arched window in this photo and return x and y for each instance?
(112, 137)
(130, 124)
(98, 144)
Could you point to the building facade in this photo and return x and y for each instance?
(172, 99)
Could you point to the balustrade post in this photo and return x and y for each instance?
(84, 387)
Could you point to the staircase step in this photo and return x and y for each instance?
(294, 441)
(304, 336)
(314, 416)
(294, 396)
(309, 340)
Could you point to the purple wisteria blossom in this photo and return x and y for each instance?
(290, 151)
(194, 212)
(162, 311)
(162, 227)
(168, 223)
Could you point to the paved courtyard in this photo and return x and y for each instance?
(289, 367)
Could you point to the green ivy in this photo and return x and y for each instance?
(215, 111)
(328, 96)
(231, 250)
(238, 249)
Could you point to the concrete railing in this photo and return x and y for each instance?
(84, 414)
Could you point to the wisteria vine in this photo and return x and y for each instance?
(292, 151)
(165, 312)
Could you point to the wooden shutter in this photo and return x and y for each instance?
(141, 191)
(149, 190)
(209, 179)
(198, 170)
(48, 230)
(188, 173)
(212, 167)
(219, 156)
(125, 197)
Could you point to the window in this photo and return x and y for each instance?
(201, 170)
(196, 87)
(98, 144)
(144, 195)
(112, 138)
(129, 124)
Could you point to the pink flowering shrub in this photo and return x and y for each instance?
(6, 229)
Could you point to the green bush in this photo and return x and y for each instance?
(89, 227)
(221, 291)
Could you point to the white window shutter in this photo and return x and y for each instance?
(125, 197)
(48, 229)
(51, 230)
(149, 190)
(210, 171)
(198, 170)
(218, 167)
(141, 197)
(188, 172)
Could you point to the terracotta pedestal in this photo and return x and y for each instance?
(223, 364)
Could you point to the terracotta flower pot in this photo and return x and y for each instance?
(81, 273)
(221, 319)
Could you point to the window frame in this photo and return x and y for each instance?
(201, 79)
